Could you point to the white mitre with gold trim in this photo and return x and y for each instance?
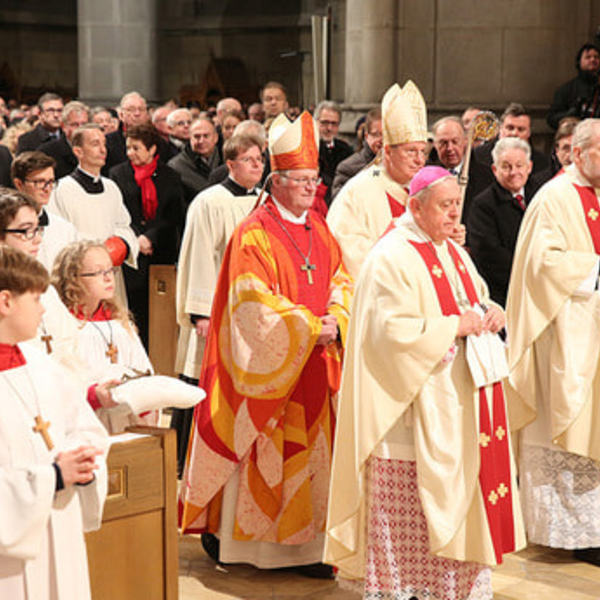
(404, 115)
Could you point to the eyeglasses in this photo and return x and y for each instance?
(329, 123)
(56, 111)
(304, 181)
(27, 233)
(250, 159)
(104, 273)
(183, 123)
(42, 184)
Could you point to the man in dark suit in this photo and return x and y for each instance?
(450, 143)
(496, 214)
(5, 165)
(51, 107)
(132, 111)
(372, 143)
(514, 122)
(332, 150)
(74, 115)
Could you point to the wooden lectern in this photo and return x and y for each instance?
(134, 555)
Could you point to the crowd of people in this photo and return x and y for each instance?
(371, 321)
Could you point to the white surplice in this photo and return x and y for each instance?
(57, 234)
(210, 221)
(97, 217)
(92, 346)
(63, 328)
(42, 548)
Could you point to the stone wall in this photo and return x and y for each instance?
(38, 46)
(462, 52)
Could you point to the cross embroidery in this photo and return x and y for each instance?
(593, 214)
(484, 439)
(502, 490)
(436, 271)
(493, 497)
(461, 268)
(308, 268)
(500, 433)
(41, 427)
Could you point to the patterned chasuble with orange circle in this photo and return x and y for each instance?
(494, 470)
(270, 408)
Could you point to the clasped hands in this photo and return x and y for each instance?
(471, 323)
(329, 331)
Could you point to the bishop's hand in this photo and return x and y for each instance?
(494, 319)
(329, 331)
(469, 323)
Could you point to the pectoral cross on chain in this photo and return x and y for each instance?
(112, 353)
(41, 427)
(308, 268)
(47, 339)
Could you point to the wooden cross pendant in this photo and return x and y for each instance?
(112, 353)
(308, 268)
(41, 427)
(47, 339)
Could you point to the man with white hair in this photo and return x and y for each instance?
(132, 111)
(497, 212)
(365, 206)
(257, 476)
(227, 105)
(179, 122)
(423, 488)
(450, 143)
(159, 120)
(553, 320)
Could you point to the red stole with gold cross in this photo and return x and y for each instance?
(591, 210)
(494, 471)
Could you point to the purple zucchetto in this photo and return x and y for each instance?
(425, 177)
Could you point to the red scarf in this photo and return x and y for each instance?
(10, 357)
(143, 177)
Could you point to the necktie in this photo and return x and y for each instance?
(520, 200)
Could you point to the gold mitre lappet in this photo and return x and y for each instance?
(404, 115)
(294, 144)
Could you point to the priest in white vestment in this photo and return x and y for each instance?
(423, 495)
(553, 323)
(94, 204)
(365, 206)
(211, 218)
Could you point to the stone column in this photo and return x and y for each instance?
(371, 49)
(117, 49)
